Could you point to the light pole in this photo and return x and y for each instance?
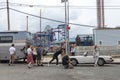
(27, 23)
(8, 16)
(40, 24)
(66, 24)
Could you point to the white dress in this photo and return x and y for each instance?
(96, 55)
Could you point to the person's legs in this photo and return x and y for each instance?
(51, 60)
(38, 60)
(56, 60)
(96, 60)
(10, 60)
(35, 59)
(41, 64)
(30, 60)
(13, 58)
(29, 65)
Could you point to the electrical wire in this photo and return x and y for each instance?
(50, 19)
(72, 7)
(2, 2)
(3, 8)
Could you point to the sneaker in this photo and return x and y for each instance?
(41, 65)
(58, 65)
(29, 66)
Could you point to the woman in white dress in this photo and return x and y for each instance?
(29, 56)
(96, 54)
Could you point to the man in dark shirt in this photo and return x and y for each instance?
(65, 61)
(55, 56)
(39, 54)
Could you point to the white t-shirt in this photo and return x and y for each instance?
(34, 52)
(12, 50)
(73, 50)
(29, 51)
(96, 52)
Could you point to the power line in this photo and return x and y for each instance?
(2, 2)
(50, 19)
(73, 7)
(36, 15)
(3, 8)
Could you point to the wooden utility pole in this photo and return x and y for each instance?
(26, 23)
(8, 16)
(40, 21)
(40, 25)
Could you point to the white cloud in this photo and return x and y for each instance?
(80, 16)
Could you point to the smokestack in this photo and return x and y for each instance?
(100, 14)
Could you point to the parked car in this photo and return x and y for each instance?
(85, 58)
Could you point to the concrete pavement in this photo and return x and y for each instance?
(46, 60)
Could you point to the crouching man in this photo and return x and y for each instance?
(66, 62)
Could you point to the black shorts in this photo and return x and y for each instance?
(73, 53)
(38, 57)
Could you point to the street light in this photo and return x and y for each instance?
(66, 24)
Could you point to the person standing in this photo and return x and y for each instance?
(35, 55)
(24, 50)
(12, 52)
(78, 40)
(39, 56)
(96, 54)
(29, 56)
(73, 50)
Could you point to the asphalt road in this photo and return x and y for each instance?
(53, 72)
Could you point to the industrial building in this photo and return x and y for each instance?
(107, 36)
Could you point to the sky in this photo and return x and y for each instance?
(81, 13)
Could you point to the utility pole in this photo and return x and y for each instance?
(40, 20)
(66, 24)
(27, 23)
(40, 24)
(8, 16)
(66, 33)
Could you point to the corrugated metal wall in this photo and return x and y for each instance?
(107, 37)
